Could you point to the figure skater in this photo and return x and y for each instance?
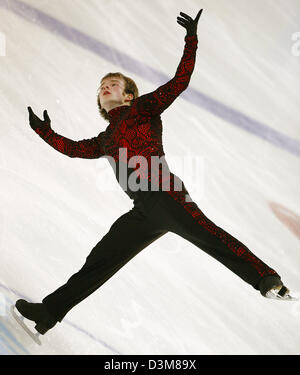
(161, 201)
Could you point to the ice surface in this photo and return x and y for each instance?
(238, 123)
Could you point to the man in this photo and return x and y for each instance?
(134, 136)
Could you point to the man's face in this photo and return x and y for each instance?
(110, 93)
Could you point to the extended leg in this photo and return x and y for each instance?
(129, 234)
(187, 220)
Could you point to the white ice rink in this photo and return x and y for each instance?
(233, 137)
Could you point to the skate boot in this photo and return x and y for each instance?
(38, 313)
(272, 287)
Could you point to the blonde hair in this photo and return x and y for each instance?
(130, 88)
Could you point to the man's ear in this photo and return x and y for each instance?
(129, 97)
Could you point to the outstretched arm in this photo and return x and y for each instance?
(156, 102)
(87, 148)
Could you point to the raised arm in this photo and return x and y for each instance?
(156, 102)
(87, 148)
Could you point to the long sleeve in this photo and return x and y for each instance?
(156, 102)
(87, 148)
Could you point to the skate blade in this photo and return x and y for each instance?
(19, 319)
(273, 294)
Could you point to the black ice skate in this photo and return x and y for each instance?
(35, 312)
(272, 287)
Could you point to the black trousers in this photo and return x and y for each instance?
(154, 214)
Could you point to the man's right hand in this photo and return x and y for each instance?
(35, 122)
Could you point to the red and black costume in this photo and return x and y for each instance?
(136, 131)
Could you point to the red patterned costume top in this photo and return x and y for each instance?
(133, 131)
